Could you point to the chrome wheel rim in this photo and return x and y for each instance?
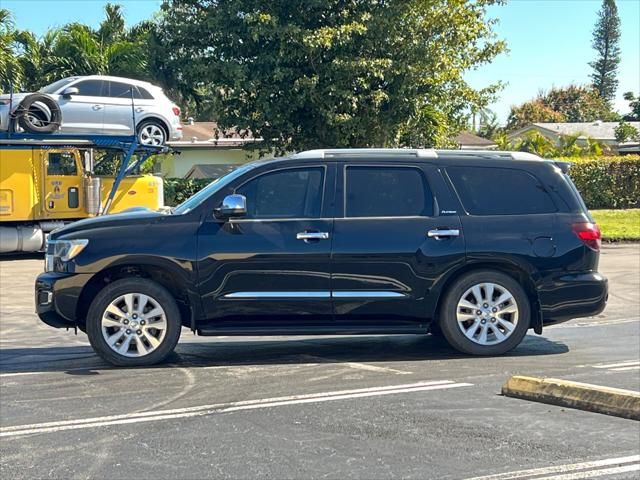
(152, 135)
(487, 314)
(134, 325)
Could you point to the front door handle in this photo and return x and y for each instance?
(443, 233)
(97, 107)
(306, 236)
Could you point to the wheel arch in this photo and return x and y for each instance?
(155, 118)
(174, 281)
(514, 269)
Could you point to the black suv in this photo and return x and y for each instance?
(477, 246)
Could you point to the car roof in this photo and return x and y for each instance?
(417, 153)
(131, 81)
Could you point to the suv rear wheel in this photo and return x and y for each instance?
(485, 313)
(133, 322)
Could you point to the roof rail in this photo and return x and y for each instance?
(495, 153)
(355, 152)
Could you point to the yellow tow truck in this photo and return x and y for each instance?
(46, 182)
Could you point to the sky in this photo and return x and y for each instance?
(549, 41)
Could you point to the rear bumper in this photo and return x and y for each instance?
(571, 296)
(56, 298)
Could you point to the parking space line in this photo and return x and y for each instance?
(49, 427)
(624, 369)
(356, 365)
(625, 363)
(572, 471)
(594, 473)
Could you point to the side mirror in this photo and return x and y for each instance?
(68, 92)
(232, 206)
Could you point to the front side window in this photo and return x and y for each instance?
(500, 191)
(387, 192)
(90, 88)
(62, 163)
(291, 193)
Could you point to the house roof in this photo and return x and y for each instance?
(596, 130)
(212, 171)
(469, 140)
(209, 135)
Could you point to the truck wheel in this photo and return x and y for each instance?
(133, 322)
(33, 120)
(485, 313)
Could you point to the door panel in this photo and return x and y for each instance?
(84, 112)
(118, 118)
(385, 267)
(270, 267)
(62, 191)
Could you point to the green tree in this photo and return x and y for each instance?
(573, 103)
(625, 132)
(606, 38)
(634, 106)
(343, 73)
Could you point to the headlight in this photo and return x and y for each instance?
(60, 251)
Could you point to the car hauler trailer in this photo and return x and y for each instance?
(48, 181)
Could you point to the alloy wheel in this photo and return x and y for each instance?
(487, 314)
(151, 134)
(134, 325)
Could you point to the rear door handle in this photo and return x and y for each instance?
(312, 236)
(139, 110)
(443, 233)
(97, 107)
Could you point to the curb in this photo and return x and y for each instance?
(583, 396)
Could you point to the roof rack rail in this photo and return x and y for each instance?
(356, 152)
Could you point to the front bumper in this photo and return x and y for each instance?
(571, 296)
(56, 298)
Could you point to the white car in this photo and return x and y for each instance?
(100, 104)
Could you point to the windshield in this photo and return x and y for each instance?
(52, 88)
(195, 200)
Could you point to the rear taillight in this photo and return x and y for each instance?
(176, 110)
(589, 233)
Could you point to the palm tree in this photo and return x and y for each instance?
(10, 69)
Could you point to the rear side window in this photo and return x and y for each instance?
(500, 191)
(387, 192)
(294, 193)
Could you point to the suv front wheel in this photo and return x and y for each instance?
(485, 313)
(133, 322)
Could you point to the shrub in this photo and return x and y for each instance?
(177, 190)
(607, 182)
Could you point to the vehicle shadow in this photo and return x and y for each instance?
(79, 360)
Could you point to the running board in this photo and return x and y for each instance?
(348, 329)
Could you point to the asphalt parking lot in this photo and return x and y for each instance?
(323, 407)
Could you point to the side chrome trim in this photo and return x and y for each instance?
(317, 294)
(367, 294)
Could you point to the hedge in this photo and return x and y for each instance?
(604, 182)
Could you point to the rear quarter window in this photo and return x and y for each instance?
(500, 191)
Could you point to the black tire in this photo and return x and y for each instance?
(24, 114)
(122, 287)
(448, 321)
(154, 125)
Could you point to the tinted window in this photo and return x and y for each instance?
(142, 93)
(90, 88)
(121, 90)
(61, 164)
(295, 193)
(500, 191)
(387, 192)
